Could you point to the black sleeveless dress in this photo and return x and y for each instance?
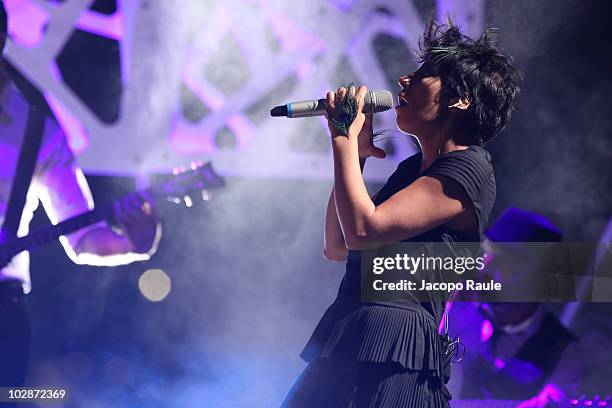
(388, 354)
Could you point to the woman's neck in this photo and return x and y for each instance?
(434, 147)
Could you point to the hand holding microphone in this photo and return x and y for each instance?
(347, 117)
(357, 124)
(366, 140)
(374, 102)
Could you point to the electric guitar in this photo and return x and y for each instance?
(198, 178)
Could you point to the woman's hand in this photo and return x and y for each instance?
(361, 128)
(366, 140)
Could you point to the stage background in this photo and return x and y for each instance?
(143, 86)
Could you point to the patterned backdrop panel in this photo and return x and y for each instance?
(142, 86)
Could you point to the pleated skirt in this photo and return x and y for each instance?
(378, 334)
(372, 356)
(346, 383)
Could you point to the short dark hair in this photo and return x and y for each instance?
(475, 69)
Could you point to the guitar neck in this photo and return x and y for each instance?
(198, 178)
(48, 234)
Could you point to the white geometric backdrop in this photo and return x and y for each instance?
(198, 78)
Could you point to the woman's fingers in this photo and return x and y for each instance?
(340, 94)
(334, 98)
(331, 100)
(352, 90)
(361, 93)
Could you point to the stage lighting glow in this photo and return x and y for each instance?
(154, 284)
(486, 331)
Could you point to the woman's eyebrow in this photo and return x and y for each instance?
(425, 69)
(421, 72)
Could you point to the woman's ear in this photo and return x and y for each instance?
(459, 103)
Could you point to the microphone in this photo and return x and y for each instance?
(374, 102)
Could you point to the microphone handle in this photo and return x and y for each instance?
(306, 109)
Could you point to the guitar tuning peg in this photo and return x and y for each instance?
(174, 200)
(193, 165)
(205, 195)
(175, 171)
(188, 201)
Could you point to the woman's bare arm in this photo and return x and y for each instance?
(423, 205)
(334, 244)
(334, 247)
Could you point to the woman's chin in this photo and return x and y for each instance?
(404, 127)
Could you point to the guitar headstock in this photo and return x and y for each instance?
(198, 178)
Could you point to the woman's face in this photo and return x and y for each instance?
(419, 101)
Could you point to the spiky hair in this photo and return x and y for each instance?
(473, 69)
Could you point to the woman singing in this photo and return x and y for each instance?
(389, 354)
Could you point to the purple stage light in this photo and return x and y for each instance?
(27, 22)
(486, 331)
(499, 363)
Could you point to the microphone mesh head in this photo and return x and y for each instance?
(378, 101)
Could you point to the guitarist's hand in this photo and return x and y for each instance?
(138, 220)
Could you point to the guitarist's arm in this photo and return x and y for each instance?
(135, 241)
(64, 192)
